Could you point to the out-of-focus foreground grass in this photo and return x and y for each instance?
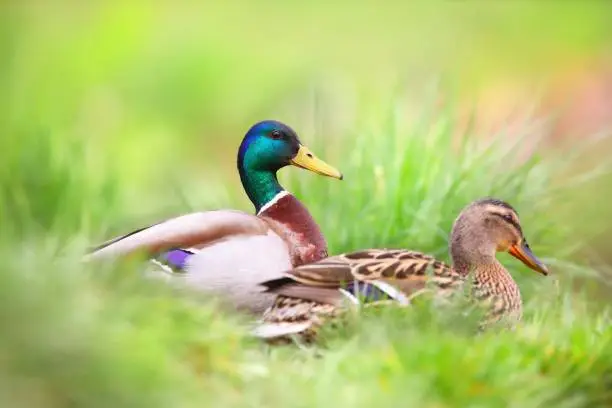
(117, 114)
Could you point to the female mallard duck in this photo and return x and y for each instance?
(229, 252)
(310, 294)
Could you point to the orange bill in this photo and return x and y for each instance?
(523, 253)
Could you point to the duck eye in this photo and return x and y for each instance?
(275, 134)
(508, 217)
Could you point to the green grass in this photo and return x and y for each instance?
(77, 336)
(113, 116)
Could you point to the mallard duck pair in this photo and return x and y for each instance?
(276, 261)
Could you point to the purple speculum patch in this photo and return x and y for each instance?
(176, 259)
(366, 292)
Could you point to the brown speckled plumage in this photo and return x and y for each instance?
(309, 295)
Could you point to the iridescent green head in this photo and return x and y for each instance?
(266, 148)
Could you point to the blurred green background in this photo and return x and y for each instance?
(115, 114)
(160, 88)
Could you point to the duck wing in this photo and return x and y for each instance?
(195, 230)
(395, 272)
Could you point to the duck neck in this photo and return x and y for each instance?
(297, 227)
(261, 186)
(493, 271)
(484, 267)
(493, 283)
(470, 258)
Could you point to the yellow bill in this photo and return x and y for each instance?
(307, 160)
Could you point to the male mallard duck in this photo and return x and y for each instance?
(310, 294)
(229, 252)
